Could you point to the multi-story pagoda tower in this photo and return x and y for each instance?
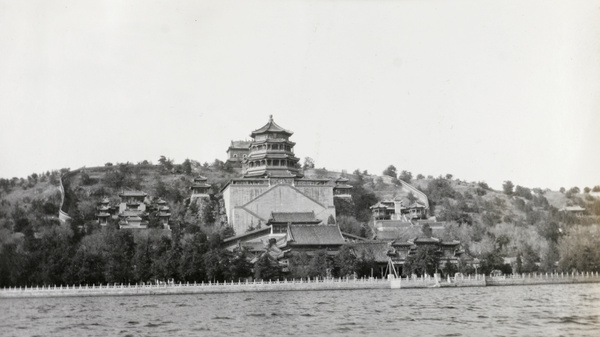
(272, 182)
(271, 154)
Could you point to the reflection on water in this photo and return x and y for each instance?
(545, 310)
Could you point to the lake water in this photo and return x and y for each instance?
(543, 310)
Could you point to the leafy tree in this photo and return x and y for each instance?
(572, 191)
(562, 190)
(309, 163)
(420, 176)
(345, 262)
(523, 192)
(86, 179)
(530, 259)
(405, 176)
(587, 190)
(366, 264)
(507, 187)
(319, 265)
(216, 263)
(579, 250)
(449, 176)
(349, 224)
(267, 268)
(596, 188)
(191, 263)
(187, 166)
(391, 171)
(424, 261)
(227, 232)
(411, 198)
(166, 163)
(439, 188)
(120, 251)
(362, 199)
(298, 265)
(239, 266)
(490, 261)
(207, 217)
(142, 259)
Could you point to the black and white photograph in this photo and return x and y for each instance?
(300, 168)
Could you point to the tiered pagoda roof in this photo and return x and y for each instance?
(271, 127)
(271, 153)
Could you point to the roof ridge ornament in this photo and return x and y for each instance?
(270, 118)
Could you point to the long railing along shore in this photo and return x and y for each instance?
(297, 285)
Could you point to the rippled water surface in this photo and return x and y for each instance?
(545, 310)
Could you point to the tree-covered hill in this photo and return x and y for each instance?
(518, 225)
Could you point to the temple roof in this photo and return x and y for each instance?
(271, 126)
(133, 194)
(248, 235)
(293, 217)
(379, 205)
(271, 155)
(390, 235)
(200, 186)
(129, 213)
(239, 144)
(424, 239)
(315, 235)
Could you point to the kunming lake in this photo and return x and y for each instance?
(541, 310)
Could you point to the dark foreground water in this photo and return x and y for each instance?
(545, 310)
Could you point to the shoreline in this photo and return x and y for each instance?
(296, 285)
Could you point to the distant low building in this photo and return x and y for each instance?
(131, 210)
(387, 253)
(574, 210)
(237, 152)
(395, 210)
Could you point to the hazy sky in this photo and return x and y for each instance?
(485, 90)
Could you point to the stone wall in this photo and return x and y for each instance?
(249, 205)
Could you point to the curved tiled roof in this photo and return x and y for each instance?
(315, 235)
(271, 126)
(293, 217)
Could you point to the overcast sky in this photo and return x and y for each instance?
(485, 90)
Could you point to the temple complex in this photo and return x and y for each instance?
(131, 209)
(272, 182)
(395, 210)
